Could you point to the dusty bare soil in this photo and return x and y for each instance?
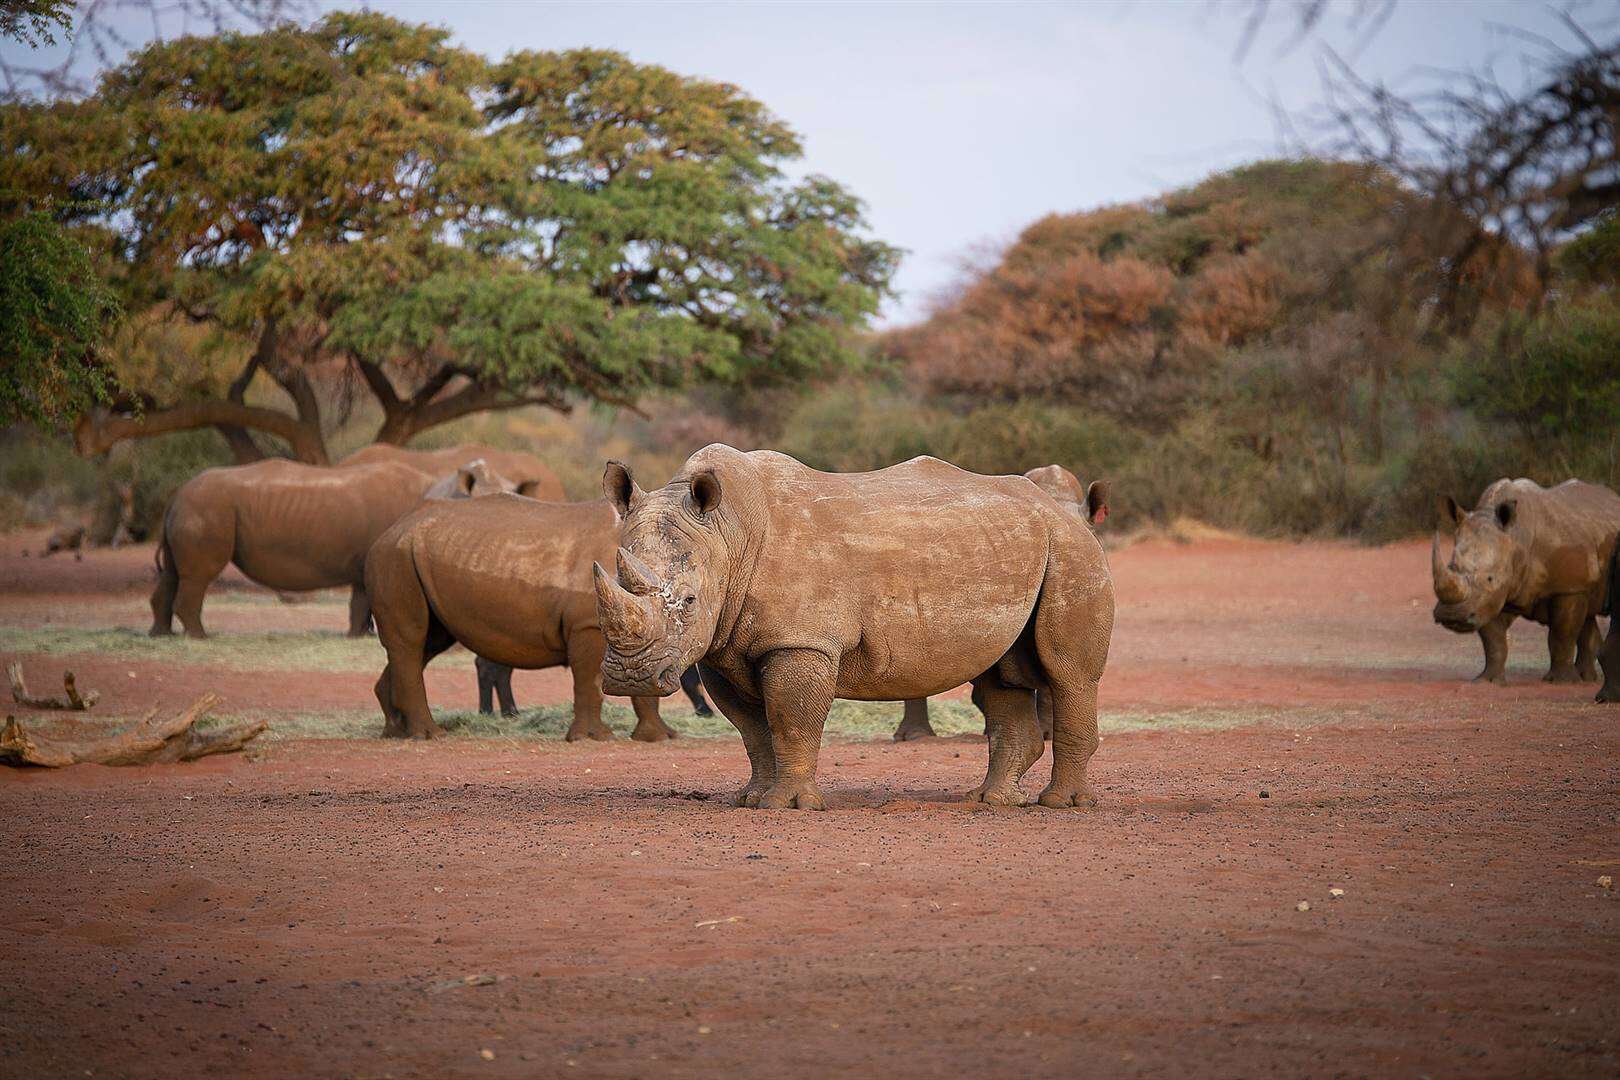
(1285, 721)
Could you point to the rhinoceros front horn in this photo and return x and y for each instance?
(636, 575)
(624, 622)
(1448, 587)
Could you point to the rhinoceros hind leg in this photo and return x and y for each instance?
(1074, 621)
(1587, 647)
(650, 726)
(1563, 633)
(406, 713)
(1610, 658)
(1014, 735)
(798, 687)
(748, 717)
(585, 652)
(359, 612)
(914, 723)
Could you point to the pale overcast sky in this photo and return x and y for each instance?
(960, 123)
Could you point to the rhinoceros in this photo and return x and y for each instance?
(790, 587)
(509, 578)
(1609, 657)
(288, 526)
(1532, 552)
(529, 475)
(1089, 504)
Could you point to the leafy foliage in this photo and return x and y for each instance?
(1560, 375)
(56, 310)
(363, 200)
(35, 22)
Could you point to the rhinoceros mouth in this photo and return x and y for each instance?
(1456, 617)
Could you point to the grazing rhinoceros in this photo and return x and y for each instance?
(288, 526)
(1525, 550)
(1089, 504)
(509, 578)
(791, 587)
(529, 475)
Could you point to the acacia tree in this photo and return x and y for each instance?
(360, 200)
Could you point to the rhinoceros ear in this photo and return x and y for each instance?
(1097, 502)
(467, 477)
(705, 493)
(1450, 512)
(620, 487)
(1505, 511)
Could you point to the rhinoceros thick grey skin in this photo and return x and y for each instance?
(1531, 552)
(1089, 504)
(528, 474)
(509, 578)
(791, 587)
(288, 526)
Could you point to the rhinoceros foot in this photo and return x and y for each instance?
(908, 731)
(1497, 677)
(998, 795)
(597, 732)
(659, 732)
(795, 794)
(1058, 798)
(1562, 675)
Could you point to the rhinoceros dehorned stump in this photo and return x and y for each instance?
(791, 587)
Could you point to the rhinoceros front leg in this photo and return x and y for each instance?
(650, 726)
(914, 723)
(1494, 636)
(798, 685)
(1563, 635)
(585, 652)
(1587, 649)
(748, 717)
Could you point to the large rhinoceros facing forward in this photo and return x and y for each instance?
(1540, 553)
(791, 587)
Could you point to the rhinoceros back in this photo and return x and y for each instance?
(292, 526)
(1568, 531)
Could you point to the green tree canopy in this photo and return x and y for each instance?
(361, 200)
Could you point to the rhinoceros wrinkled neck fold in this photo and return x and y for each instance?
(1448, 587)
(626, 624)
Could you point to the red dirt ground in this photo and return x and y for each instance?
(318, 908)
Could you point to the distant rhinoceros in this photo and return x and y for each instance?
(529, 475)
(1089, 504)
(509, 578)
(1532, 552)
(792, 587)
(288, 526)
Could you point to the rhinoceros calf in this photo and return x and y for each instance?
(509, 578)
(1531, 552)
(791, 587)
(529, 475)
(288, 526)
(1089, 504)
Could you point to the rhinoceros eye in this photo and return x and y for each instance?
(687, 601)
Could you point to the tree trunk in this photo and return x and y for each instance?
(98, 431)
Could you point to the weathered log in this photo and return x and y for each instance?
(72, 700)
(150, 742)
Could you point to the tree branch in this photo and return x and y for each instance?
(98, 431)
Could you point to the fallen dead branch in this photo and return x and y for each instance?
(152, 741)
(72, 700)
